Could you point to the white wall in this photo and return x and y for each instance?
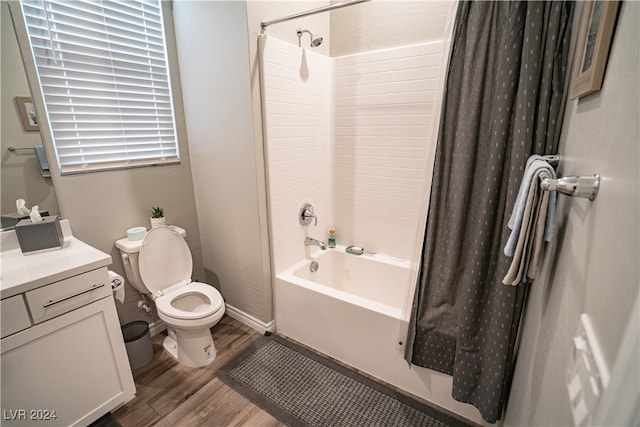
(353, 136)
(384, 103)
(214, 61)
(297, 99)
(267, 10)
(593, 265)
(381, 24)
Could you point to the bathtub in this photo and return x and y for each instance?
(355, 309)
(373, 281)
(350, 309)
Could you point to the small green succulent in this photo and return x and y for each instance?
(157, 212)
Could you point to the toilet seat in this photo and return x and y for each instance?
(211, 301)
(165, 269)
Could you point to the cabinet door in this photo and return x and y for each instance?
(67, 371)
(13, 315)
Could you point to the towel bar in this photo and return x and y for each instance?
(575, 186)
(13, 148)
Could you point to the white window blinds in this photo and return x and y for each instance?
(103, 72)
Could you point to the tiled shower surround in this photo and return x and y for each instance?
(354, 136)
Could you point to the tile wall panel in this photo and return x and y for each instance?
(298, 146)
(353, 136)
(383, 111)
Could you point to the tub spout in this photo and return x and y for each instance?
(309, 241)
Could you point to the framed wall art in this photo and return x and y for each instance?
(27, 113)
(594, 42)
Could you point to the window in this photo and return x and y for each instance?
(103, 72)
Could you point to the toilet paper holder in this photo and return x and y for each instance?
(117, 285)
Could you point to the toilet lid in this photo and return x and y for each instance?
(164, 260)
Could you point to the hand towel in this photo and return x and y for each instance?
(522, 247)
(534, 258)
(534, 164)
(529, 222)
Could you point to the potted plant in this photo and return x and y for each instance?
(157, 217)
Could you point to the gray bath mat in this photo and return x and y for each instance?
(301, 388)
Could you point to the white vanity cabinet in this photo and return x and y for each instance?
(63, 358)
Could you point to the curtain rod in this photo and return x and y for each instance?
(265, 24)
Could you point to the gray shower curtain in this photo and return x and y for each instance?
(503, 102)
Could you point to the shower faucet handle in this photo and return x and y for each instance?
(306, 214)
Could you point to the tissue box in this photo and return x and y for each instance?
(39, 236)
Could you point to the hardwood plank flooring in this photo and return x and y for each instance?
(169, 394)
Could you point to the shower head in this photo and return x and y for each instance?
(316, 40)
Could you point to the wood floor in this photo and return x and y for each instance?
(169, 394)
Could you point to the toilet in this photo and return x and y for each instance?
(160, 265)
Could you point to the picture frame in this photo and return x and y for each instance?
(594, 42)
(27, 114)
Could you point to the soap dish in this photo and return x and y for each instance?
(354, 250)
(136, 233)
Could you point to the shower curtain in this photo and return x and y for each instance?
(504, 97)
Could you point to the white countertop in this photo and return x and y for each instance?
(20, 273)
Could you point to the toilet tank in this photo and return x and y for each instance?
(129, 250)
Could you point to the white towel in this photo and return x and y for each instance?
(532, 220)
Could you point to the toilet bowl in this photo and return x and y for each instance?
(160, 265)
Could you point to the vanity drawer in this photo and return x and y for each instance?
(14, 315)
(66, 295)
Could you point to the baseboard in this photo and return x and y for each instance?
(158, 326)
(251, 321)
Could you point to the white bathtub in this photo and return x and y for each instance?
(345, 290)
(376, 282)
(353, 309)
